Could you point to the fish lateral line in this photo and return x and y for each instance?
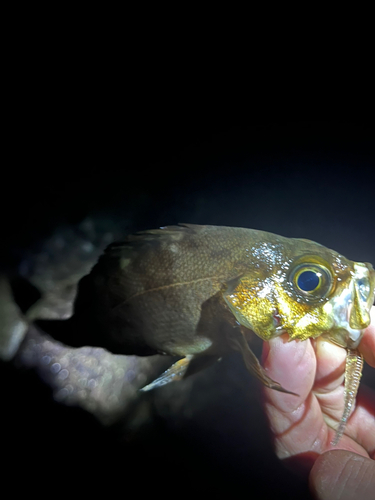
(171, 285)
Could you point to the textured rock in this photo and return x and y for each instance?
(88, 377)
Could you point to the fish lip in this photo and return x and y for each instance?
(371, 272)
(341, 308)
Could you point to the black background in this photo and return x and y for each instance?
(308, 179)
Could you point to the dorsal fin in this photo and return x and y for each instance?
(134, 241)
(117, 254)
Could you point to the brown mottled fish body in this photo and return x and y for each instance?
(161, 287)
(164, 288)
(198, 291)
(169, 289)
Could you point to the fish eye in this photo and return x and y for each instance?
(312, 280)
(308, 281)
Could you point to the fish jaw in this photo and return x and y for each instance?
(350, 309)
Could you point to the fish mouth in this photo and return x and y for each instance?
(350, 310)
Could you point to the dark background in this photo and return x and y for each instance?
(311, 179)
(152, 167)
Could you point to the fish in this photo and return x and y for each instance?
(201, 291)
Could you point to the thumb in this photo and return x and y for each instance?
(342, 475)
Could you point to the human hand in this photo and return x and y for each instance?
(304, 426)
(342, 475)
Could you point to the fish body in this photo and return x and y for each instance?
(182, 290)
(198, 292)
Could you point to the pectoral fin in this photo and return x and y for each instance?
(353, 373)
(181, 369)
(253, 365)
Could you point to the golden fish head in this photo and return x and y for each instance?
(305, 290)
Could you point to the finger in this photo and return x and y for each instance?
(367, 345)
(295, 421)
(328, 388)
(329, 391)
(361, 425)
(330, 366)
(342, 475)
(292, 364)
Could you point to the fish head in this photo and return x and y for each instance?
(303, 289)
